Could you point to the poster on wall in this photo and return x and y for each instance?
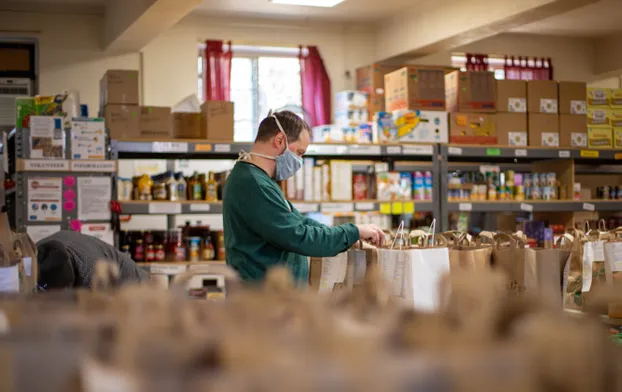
(102, 231)
(94, 195)
(37, 233)
(44, 200)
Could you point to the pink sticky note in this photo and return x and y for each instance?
(69, 181)
(76, 225)
(69, 205)
(69, 195)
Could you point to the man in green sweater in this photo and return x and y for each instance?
(262, 228)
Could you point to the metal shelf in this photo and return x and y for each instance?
(200, 207)
(457, 151)
(535, 206)
(196, 149)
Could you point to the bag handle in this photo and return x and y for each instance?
(400, 233)
(602, 225)
(489, 236)
(463, 240)
(565, 241)
(519, 235)
(500, 238)
(576, 233)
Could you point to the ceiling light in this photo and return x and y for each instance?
(309, 3)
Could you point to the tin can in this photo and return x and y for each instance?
(519, 192)
(536, 180)
(194, 246)
(551, 179)
(509, 178)
(527, 180)
(536, 193)
(546, 193)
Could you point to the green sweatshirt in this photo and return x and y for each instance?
(262, 229)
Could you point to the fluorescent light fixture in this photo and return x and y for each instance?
(309, 3)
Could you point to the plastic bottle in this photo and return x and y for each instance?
(211, 188)
(182, 190)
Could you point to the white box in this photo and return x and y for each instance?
(317, 183)
(421, 126)
(341, 180)
(325, 183)
(351, 99)
(327, 133)
(88, 138)
(308, 164)
(351, 117)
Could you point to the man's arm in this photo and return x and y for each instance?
(273, 220)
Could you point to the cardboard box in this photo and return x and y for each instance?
(572, 130)
(615, 117)
(572, 97)
(543, 130)
(371, 80)
(512, 96)
(187, 125)
(217, 120)
(351, 99)
(598, 96)
(119, 87)
(123, 121)
(415, 88)
(472, 128)
(155, 122)
(599, 117)
(615, 98)
(420, 126)
(511, 129)
(617, 137)
(600, 137)
(542, 96)
(351, 117)
(471, 91)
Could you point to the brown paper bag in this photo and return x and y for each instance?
(593, 259)
(465, 255)
(544, 269)
(360, 258)
(508, 255)
(573, 273)
(28, 267)
(326, 272)
(613, 269)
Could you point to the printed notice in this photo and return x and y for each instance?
(613, 256)
(44, 200)
(94, 195)
(88, 139)
(333, 271)
(37, 233)
(592, 251)
(102, 231)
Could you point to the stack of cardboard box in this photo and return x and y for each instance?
(415, 106)
(601, 118)
(511, 119)
(572, 114)
(471, 101)
(543, 109)
(370, 79)
(351, 108)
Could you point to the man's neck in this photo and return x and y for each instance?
(267, 165)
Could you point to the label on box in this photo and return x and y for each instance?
(222, 147)
(520, 153)
(417, 150)
(578, 107)
(202, 207)
(169, 147)
(548, 105)
(564, 154)
(364, 150)
(394, 150)
(517, 105)
(550, 139)
(364, 207)
(517, 138)
(46, 165)
(164, 208)
(590, 154)
(465, 206)
(455, 151)
(493, 152)
(526, 207)
(94, 166)
(578, 139)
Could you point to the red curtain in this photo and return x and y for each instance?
(476, 62)
(526, 68)
(217, 71)
(316, 96)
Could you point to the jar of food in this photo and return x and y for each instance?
(177, 249)
(138, 254)
(160, 255)
(193, 246)
(159, 191)
(144, 184)
(150, 254)
(182, 192)
(124, 189)
(171, 187)
(208, 249)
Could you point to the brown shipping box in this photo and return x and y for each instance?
(512, 129)
(217, 120)
(471, 92)
(155, 122)
(472, 128)
(542, 96)
(512, 96)
(122, 121)
(187, 125)
(572, 97)
(119, 87)
(371, 80)
(572, 130)
(543, 130)
(415, 88)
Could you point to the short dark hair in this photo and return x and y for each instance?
(292, 124)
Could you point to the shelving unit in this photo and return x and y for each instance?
(406, 157)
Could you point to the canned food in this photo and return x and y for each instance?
(527, 180)
(606, 192)
(194, 247)
(551, 179)
(536, 180)
(519, 193)
(536, 193)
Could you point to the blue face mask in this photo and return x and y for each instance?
(288, 163)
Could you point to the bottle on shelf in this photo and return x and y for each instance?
(172, 192)
(177, 248)
(195, 188)
(208, 249)
(138, 254)
(150, 254)
(211, 188)
(144, 184)
(182, 191)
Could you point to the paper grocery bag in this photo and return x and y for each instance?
(613, 270)
(360, 258)
(508, 255)
(593, 260)
(326, 272)
(573, 273)
(424, 269)
(391, 263)
(465, 256)
(544, 271)
(28, 266)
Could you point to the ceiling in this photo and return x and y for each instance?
(348, 11)
(592, 21)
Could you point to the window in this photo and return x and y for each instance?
(495, 64)
(262, 78)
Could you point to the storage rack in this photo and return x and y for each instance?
(580, 161)
(27, 168)
(406, 156)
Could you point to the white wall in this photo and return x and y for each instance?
(573, 58)
(613, 82)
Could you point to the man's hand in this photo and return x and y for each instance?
(371, 233)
